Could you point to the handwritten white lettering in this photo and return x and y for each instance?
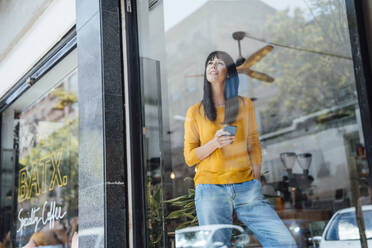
(54, 214)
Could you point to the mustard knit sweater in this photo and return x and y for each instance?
(232, 163)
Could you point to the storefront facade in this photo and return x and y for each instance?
(92, 121)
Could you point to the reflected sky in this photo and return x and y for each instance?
(176, 10)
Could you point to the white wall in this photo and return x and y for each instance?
(16, 17)
(24, 42)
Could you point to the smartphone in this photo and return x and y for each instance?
(230, 129)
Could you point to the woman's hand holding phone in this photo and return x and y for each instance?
(223, 138)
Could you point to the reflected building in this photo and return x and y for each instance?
(321, 131)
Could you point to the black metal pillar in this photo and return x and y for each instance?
(102, 154)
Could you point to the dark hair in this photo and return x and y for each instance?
(231, 90)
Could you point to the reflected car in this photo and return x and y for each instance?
(204, 236)
(342, 230)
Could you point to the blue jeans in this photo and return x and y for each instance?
(215, 204)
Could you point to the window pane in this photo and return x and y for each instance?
(297, 92)
(40, 148)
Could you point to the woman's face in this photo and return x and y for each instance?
(216, 71)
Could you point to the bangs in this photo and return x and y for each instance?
(226, 58)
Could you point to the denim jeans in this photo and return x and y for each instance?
(215, 204)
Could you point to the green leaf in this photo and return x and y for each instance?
(185, 224)
(188, 179)
(190, 216)
(181, 203)
(190, 204)
(191, 192)
(182, 197)
(176, 214)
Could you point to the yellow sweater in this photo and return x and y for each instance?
(232, 163)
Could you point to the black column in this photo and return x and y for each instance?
(362, 69)
(135, 122)
(102, 165)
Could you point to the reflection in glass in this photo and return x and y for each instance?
(307, 110)
(288, 159)
(344, 226)
(46, 143)
(203, 236)
(304, 160)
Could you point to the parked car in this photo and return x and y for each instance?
(204, 236)
(342, 230)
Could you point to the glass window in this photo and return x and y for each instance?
(40, 161)
(286, 69)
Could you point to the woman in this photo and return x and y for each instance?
(228, 166)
